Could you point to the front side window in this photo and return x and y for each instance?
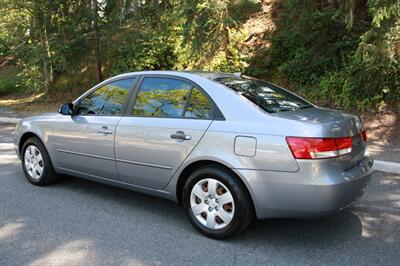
(162, 97)
(268, 97)
(107, 100)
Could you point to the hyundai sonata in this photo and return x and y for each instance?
(228, 148)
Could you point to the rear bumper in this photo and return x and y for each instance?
(319, 188)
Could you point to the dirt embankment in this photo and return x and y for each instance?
(383, 131)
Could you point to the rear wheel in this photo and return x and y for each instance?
(216, 202)
(36, 163)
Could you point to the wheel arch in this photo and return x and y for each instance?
(27, 135)
(190, 168)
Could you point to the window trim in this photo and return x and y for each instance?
(124, 106)
(215, 113)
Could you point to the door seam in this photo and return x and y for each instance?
(183, 161)
(115, 156)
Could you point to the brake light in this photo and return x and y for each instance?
(364, 135)
(319, 148)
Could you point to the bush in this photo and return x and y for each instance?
(141, 51)
(9, 79)
(29, 79)
(353, 66)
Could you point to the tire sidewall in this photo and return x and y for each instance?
(238, 193)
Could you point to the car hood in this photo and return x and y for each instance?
(41, 116)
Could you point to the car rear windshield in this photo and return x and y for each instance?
(267, 96)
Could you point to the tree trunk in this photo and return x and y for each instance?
(96, 29)
(40, 21)
(226, 40)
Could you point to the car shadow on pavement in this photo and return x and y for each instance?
(148, 230)
(342, 226)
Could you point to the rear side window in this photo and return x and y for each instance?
(198, 106)
(107, 100)
(168, 97)
(268, 97)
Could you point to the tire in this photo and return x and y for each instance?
(239, 206)
(39, 172)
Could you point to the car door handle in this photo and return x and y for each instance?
(104, 130)
(180, 135)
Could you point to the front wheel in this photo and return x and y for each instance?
(36, 163)
(216, 202)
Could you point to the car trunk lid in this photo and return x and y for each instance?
(334, 124)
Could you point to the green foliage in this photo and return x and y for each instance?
(305, 47)
(212, 35)
(9, 79)
(335, 62)
(373, 73)
(146, 52)
(338, 53)
(30, 79)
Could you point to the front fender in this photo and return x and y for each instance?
(39, 126)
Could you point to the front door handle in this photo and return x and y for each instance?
(104, 130)
(180, 135)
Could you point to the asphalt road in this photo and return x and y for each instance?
(77, 222)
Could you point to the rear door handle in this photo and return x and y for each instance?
(104, 130)
(180, 135)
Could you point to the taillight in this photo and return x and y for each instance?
(364, 135)
(318, 148)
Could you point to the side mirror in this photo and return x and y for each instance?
(66, 109)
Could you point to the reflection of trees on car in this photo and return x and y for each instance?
(267, 96)
(199, 106)
(114, 99)
(171, 103)
(162, 103)
(107, 100)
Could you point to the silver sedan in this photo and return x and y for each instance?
(228, 148)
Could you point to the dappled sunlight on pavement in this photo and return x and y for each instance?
(8, 158)
(10, 230)
(381, 208)
(71, 253)
(132, 261)
(6, 147)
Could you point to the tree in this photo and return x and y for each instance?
(40, 19)
(344, 51)
(96, 30)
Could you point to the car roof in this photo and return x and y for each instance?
(205, 74)
(214, 75)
